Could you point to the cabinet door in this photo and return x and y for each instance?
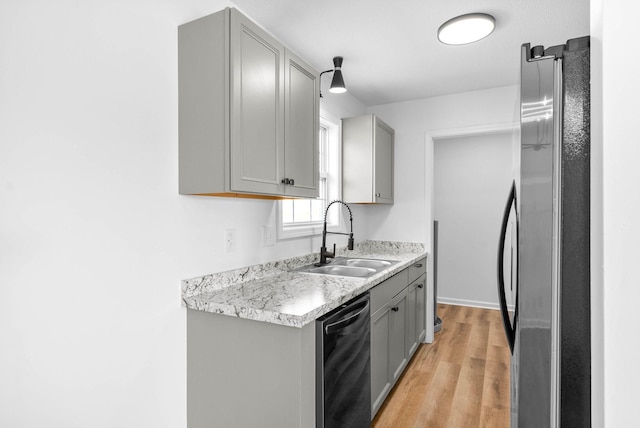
(416, 299)
(397, 337)
(302, 103)
(421, 309)
(412, 338)
(383, 163)
(380, 378)
(257, 109)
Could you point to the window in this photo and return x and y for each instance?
(304, 217)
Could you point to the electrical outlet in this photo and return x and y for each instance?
(268, 236)
(229, 240)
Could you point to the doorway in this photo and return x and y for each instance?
(472, 175)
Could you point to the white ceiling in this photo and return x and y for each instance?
(390, 49)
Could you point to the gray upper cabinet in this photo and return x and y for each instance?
(302, 119)
(367, 160)
(249, 111)
(257, 108)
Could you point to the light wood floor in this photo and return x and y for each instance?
(461, 380)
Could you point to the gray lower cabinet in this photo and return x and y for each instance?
(416, 314)
(245, 373)
(398, 356)
(397, 328)
(380, 379)
(248, 111)
(411, 342)
(388, 356)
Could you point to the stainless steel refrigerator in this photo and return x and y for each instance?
(543, 272)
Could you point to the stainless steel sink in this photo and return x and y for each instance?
(365, 263)
(349, 266)
(361, 272)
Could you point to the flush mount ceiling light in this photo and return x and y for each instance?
(337, 82)
(466, 29)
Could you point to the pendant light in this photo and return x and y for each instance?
(337, 82)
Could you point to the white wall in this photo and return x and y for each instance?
(94, 238)
(472, 178)
(616, 208)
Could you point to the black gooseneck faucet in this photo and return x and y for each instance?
(323, 250)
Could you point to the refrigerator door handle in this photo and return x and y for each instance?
(509, 328)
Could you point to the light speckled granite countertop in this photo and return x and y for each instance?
(271, 293)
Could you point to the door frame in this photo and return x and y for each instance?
(442, 134)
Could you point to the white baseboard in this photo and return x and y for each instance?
(471, 303)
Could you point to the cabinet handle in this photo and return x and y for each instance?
(418, 265)
(288, 181)
(395, 309)
(291, 182)
(421, 285)
(377, 195)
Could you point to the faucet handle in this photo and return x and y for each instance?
(334, 250)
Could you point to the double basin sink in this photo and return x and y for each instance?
(345, 266)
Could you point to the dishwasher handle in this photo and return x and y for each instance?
(347, 317)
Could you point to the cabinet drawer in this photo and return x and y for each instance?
(417, 269)
(386, 290)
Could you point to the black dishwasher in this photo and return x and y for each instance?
(343, 366)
